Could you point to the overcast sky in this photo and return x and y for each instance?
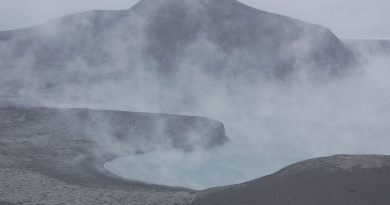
(347, 18)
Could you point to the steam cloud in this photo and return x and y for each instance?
(270, 122)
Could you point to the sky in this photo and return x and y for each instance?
(347, 18)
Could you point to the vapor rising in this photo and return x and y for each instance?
(281, 101)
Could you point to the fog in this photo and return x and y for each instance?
(270, 122)
(271, 126)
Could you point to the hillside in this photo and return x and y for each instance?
(56, 156)
(341, 179)
(177, 40)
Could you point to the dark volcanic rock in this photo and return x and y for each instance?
(56, 156)
(6, 203)
(175, 38)
(357, 180)
(258, 40)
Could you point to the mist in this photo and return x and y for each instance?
(270, 122)
(271, 126)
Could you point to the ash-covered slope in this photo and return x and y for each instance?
(56, 156)
(342, 179)
(221, 38)
(258, 40)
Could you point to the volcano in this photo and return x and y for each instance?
(222, 38)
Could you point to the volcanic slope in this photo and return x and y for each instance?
(341, 179)
(57, 156)
(220, 39)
